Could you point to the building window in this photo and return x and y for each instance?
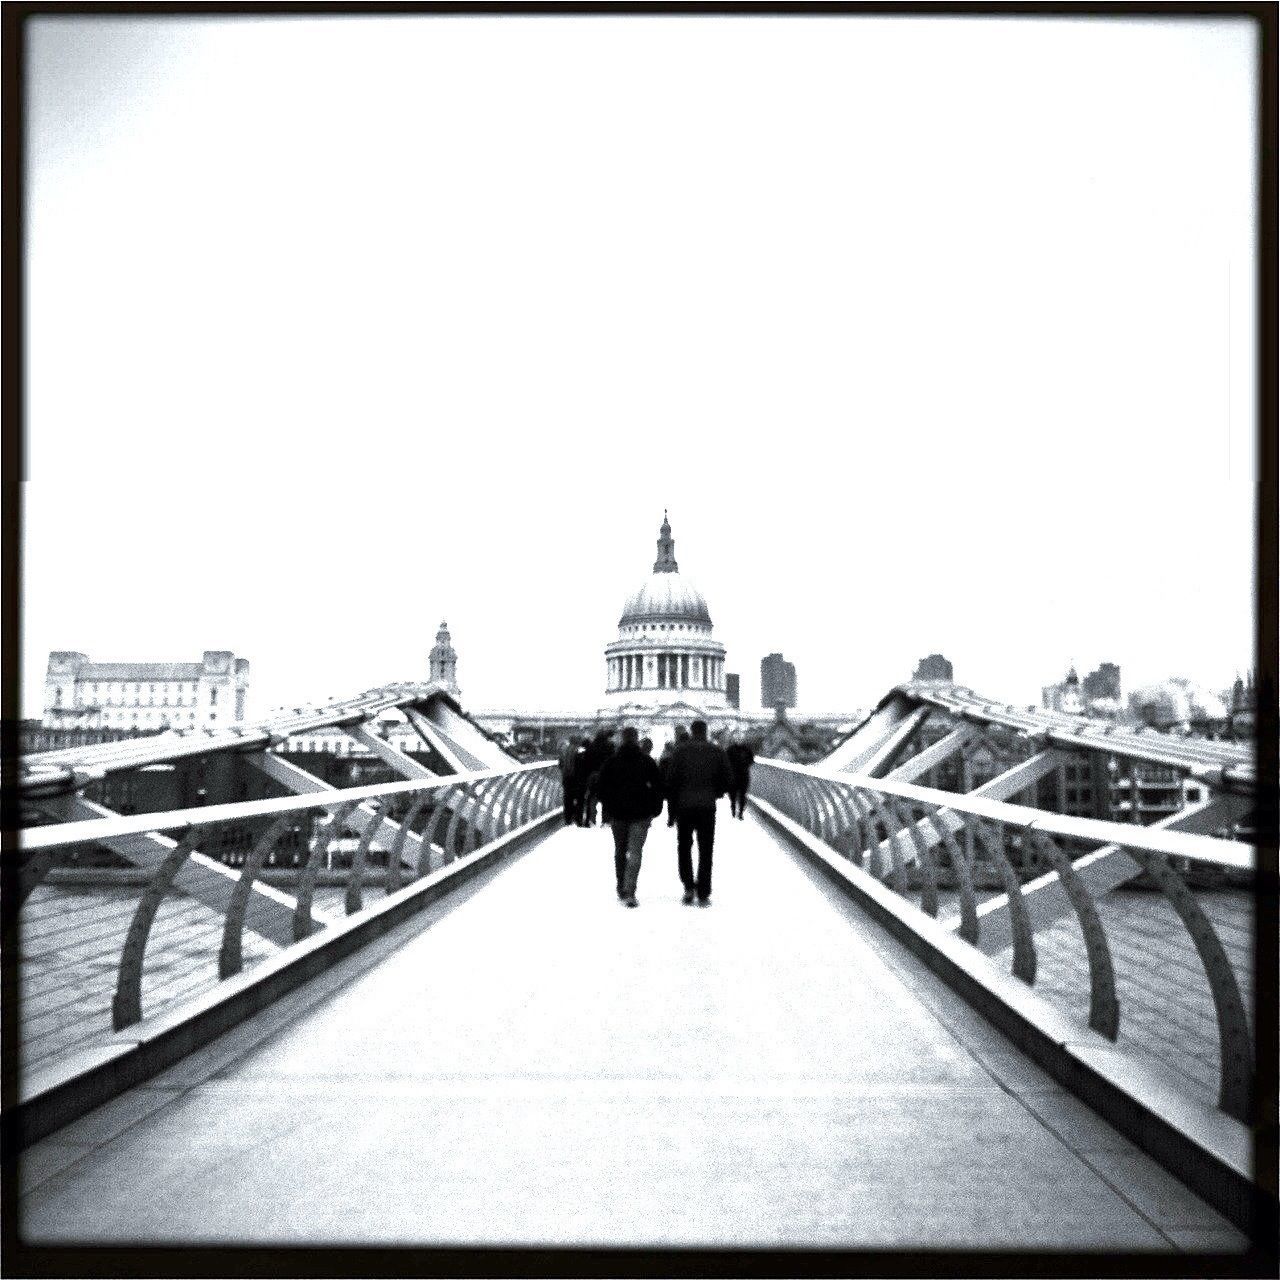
(1193, 795)
(213, 696)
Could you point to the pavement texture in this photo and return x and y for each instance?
(535, 1064)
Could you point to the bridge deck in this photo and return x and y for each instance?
(543, 1066)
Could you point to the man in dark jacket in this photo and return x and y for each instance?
(599, 750)
(664, 763)
(630, 789)
(741, 758)
(697, 777)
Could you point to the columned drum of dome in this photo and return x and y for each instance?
(666, 663)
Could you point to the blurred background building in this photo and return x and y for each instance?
(144, 696)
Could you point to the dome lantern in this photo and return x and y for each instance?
(666, 561)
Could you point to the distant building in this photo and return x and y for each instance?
(79, 694)
(732, 688)
(1145, 793)
(934, 667)
(1104, 682)
(1242, 707)
(443, 662)
(777, 682)
(666, 667)
(1064, 696)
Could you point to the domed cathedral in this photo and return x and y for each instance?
(665, 665)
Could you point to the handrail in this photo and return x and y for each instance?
(483, 807)
(873, 821)
(1178, 844)
(32, 839)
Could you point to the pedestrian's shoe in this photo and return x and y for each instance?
(631, 901)
(704, 902)
(688, 897)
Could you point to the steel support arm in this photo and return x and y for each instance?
(300, 782)
(405, 766)
(270, 912)
(1102, 870)
(931, 757)
(449, 751)
(1006, 785)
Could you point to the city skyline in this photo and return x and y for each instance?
(914, 369)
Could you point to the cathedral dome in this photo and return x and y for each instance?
(665, 596)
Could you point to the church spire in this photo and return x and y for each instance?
(443, 661)
(666, 561)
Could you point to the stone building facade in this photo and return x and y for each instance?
(79, 694)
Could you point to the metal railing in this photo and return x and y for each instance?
(885, 827)
(424, 825)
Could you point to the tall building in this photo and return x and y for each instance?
(443, 662)
(777, 682)
(79, 694)
(666, 663)
(1103, 682)
(934, 667)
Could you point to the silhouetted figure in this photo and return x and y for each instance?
(630, 789)
(574, 774)
(646, 745)
(741, 758)
(697, 777)
(599, 750)
(664, 763)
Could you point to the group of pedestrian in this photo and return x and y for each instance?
(631, 789)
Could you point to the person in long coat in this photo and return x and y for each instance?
(697, 777)
(630, 789)
(741, 758)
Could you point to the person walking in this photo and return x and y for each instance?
(575, 783)
(630, 789)
(664, 763)
(567, 754)
(599, 750)
(741, 758)
(697, 777)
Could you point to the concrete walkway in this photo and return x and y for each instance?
(541, 1066)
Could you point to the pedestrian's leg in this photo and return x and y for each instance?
(620, 856)
(636, 833)
(684, 849)
(706, 829)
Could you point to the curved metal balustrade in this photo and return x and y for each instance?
(424, 825)
(910, 836)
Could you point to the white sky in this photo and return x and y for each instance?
(932, 334)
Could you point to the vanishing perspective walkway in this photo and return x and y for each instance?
(536, 1065)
